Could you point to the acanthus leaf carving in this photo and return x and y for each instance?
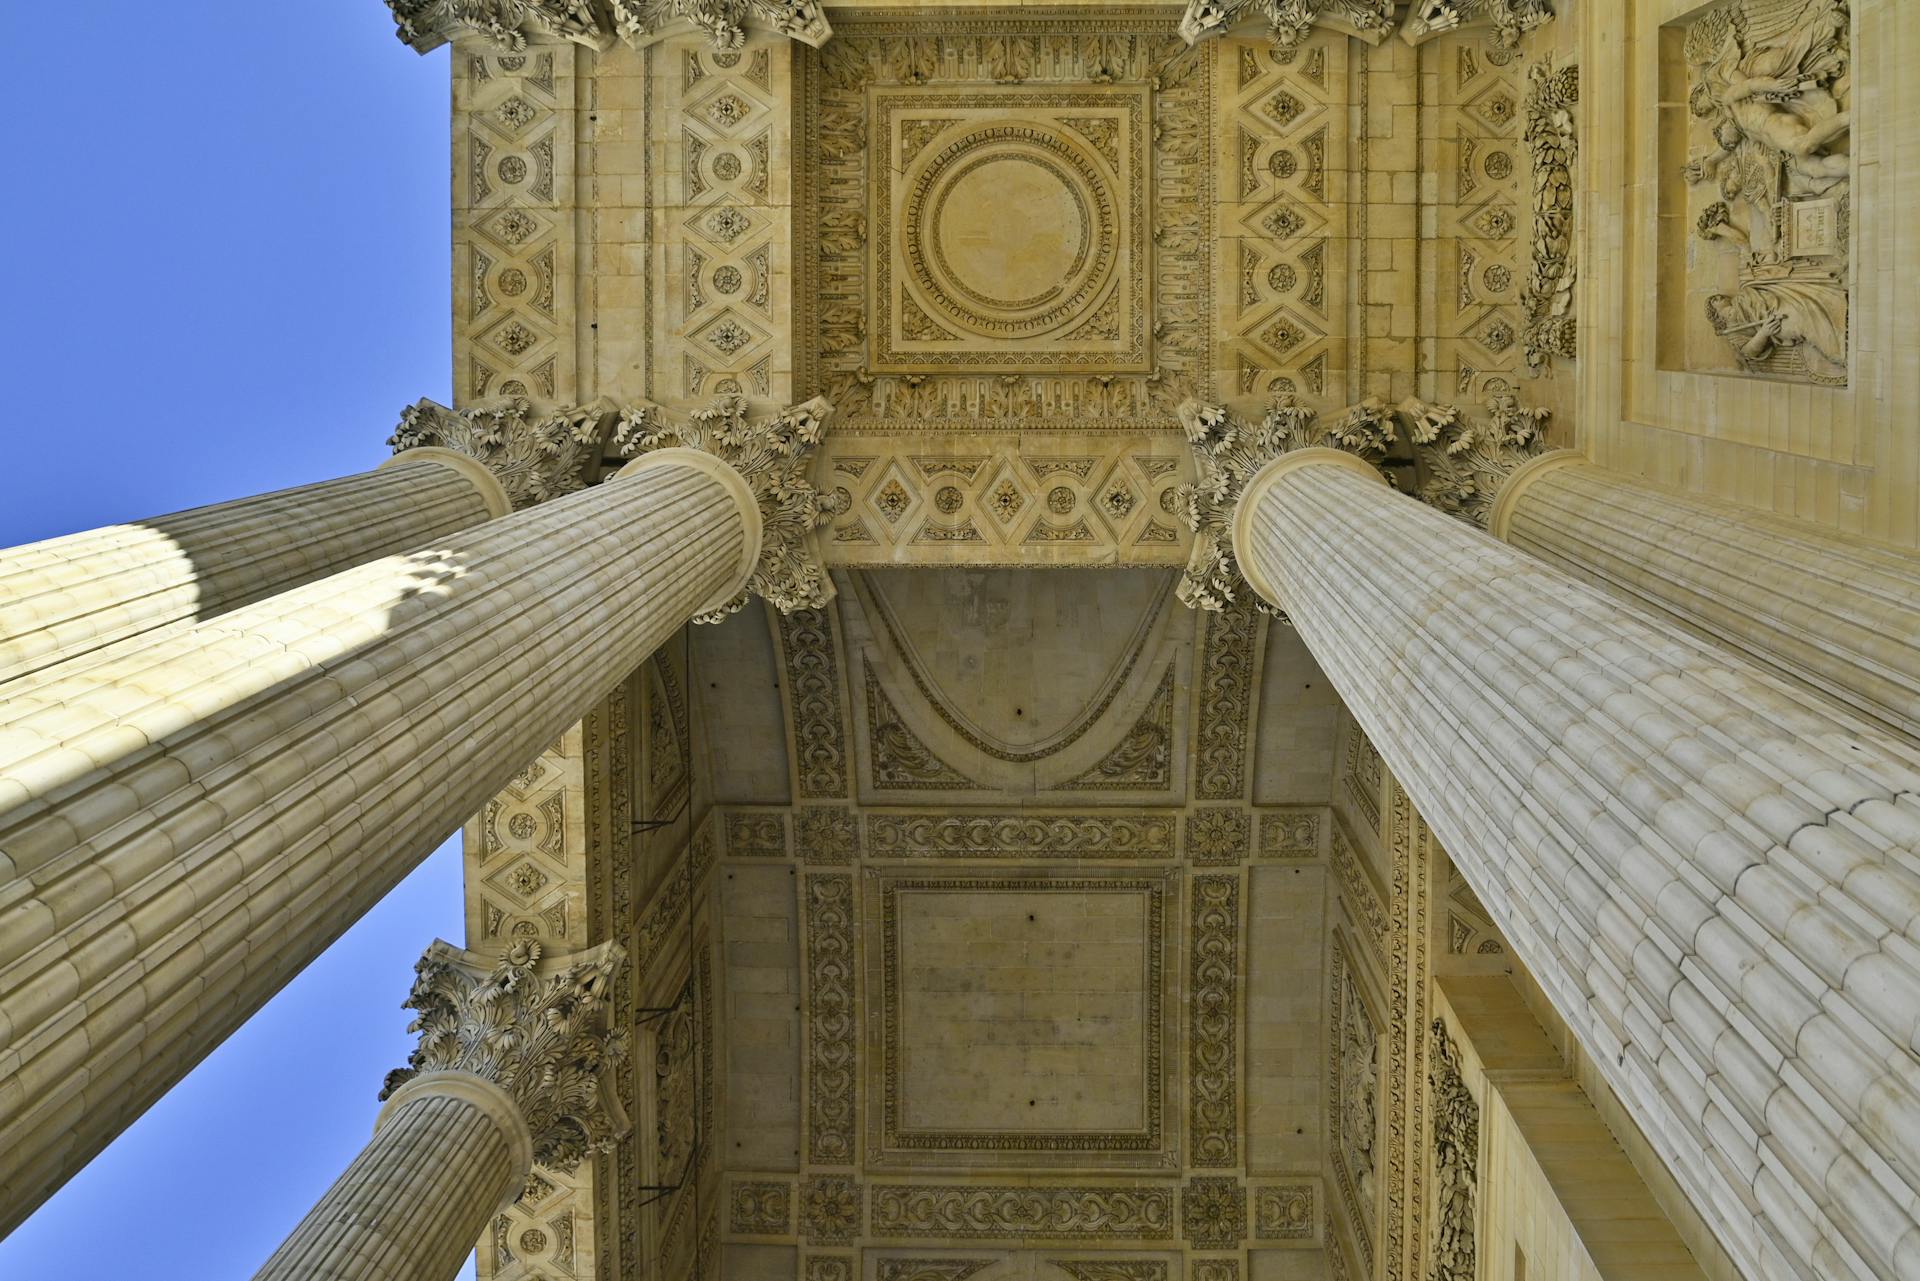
(539, 1032)
(1466, 464)
(1510, 19)
(1289, 21)
(509, 24)
(534, 457)
(725, 22)
(772, 455)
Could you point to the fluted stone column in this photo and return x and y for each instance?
(1711, 873)
(1840, 614)
(70, 596)
(512, 1068)
(67, 598)
(194, 819)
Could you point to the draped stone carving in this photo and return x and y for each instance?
(1552, 94)
(1456, 1158)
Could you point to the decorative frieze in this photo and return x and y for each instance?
(832, 1028)
(1229, 647)
(1456, 1159)
(816, 702)
(1508, 19)
(760, 1207)
(1213, 1004)
(1289, 834)
(1019, 836)
(973, 1211)
(725, 22)
(1289, 21)
(1285, 1211)
(511, 24)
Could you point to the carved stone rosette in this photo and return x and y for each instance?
(772, 456)
(1289, 21)
(510, 24)
(535, 458)
(538, 1032)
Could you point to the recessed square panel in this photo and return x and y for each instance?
(1011, 228)
(1021, 1019)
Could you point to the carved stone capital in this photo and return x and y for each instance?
(641, 22)
(1289, 21)
(534, 457)
(538, 1031)
(1466, 464)
(509, 24)
(1226, 457)
(1509, 19)
(772, 456)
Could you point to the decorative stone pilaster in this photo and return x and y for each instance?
(535, 457)
(510, 24)
(1289, 20)
(515, 1066)
(1552, 94)
(1507, 19)
(771, 455)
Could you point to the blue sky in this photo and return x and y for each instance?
(230, 271)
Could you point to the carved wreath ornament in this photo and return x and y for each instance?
(772, 456)
(541, 1035)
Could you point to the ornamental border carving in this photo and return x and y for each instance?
(832, 1028)
(912, 1211)
(943, 835)
(1213, 1112)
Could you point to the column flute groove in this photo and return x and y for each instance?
(318, 743)
(1712, 873)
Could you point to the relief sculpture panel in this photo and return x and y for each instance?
(1762, 191)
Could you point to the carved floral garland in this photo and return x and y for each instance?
(510, 24)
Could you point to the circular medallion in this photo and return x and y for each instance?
(1009, 231)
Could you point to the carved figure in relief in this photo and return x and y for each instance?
(1778, 70)
(1770, 81)
(1768, 318)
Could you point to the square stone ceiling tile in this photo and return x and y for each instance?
(1010, 228)
(1022, 1019)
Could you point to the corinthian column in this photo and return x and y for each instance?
(67, 597)
(194, 818)
(513, 1067)
(1711, 874)
(1841, 615)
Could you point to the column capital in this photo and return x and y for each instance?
(425, 25)
(533, 457)
(1509, 19)
(511, 25)
(1290, 21)
(1228, 456)
(642, 22)
(771, 455)
(1467, 465)
(537, 1032)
